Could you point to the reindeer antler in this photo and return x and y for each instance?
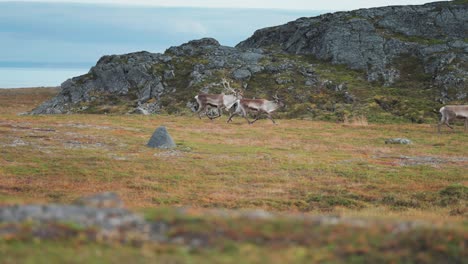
(225, 82)
(276, 96)
(278, 100)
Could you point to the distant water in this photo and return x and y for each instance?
(11, 77)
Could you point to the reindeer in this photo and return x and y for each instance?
(451, 112)
(259, 106)
(219, 101)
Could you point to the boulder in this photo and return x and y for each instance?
(161, 139)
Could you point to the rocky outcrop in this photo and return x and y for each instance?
(423, 45)
(128, 75)
(372, 39)
(141, 80)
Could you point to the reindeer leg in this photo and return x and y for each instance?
(248, 121)
(443, 121)
(256, 118)
(259, 114)
(220, 111)
(253, 121)
(230, 117)
(447, 123)
(212, 116)
(200, 110)
(271, 118)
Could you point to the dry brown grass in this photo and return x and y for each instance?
(13, 101)
(356, 121)
(295, 166)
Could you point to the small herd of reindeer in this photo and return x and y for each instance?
(244, 106)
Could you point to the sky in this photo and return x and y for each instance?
(277, 4)
(77, 33)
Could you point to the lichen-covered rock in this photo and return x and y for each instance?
(371, 39)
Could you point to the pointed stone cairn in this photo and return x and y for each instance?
(161, 139)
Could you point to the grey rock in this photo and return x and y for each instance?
(241, 74)
(169, 74)
(254, 68)
(251, 57)
(310, 82)
(281, 81)
(106, 218)
(140, 110)
(194, 47)
(403, 141)
(349, 98)
(161, 139)
(101, 200)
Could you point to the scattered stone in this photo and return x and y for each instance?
(18, 142)
(169, 154)
(161, 139)
(403, 141)
(102, 200)
(139, 110)
(428, 160)
(433, 161)
(89, 218)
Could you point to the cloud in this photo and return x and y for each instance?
(190, 26)
(83, 33)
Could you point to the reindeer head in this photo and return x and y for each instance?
(227, 86)
(239, 93)
(277, 100)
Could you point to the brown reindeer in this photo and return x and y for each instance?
(258, 106)
(451, 112)
(219, 101)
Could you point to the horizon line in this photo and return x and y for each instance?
(146, 5)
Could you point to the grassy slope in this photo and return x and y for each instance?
(298, 165)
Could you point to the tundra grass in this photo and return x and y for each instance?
(297, 166)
